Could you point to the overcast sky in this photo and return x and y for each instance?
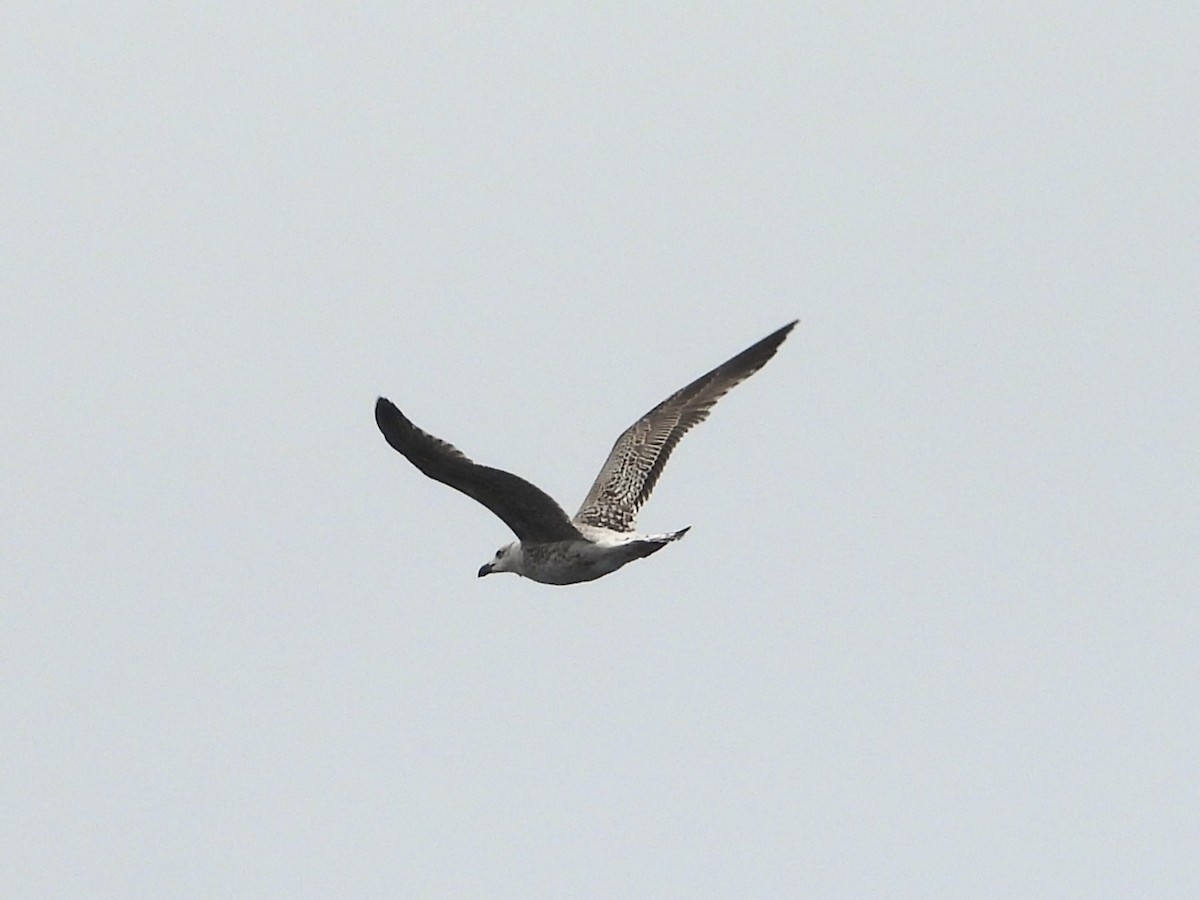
(934, 632)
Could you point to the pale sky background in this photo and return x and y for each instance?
(936, 629)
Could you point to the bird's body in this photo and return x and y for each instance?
(595, 554)
(600, 538)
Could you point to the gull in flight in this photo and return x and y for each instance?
(550, 547)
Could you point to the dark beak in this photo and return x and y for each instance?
(485, 569)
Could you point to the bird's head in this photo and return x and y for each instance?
(507, 559)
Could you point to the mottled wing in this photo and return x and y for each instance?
(637, 458)
(530, 512)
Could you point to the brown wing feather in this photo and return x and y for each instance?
(637, 458)
(530, 512)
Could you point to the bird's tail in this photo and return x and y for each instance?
(653, 543)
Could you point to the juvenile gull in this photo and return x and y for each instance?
(550, 547)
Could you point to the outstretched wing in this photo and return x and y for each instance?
(529, 511)
(637, 458)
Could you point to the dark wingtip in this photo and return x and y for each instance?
(392, 423)
(779, 334)
(756, 355)
(385, 409)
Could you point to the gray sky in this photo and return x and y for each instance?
(934, 631)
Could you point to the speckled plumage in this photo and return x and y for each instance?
(600, 538)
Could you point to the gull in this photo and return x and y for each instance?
(550, 547)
